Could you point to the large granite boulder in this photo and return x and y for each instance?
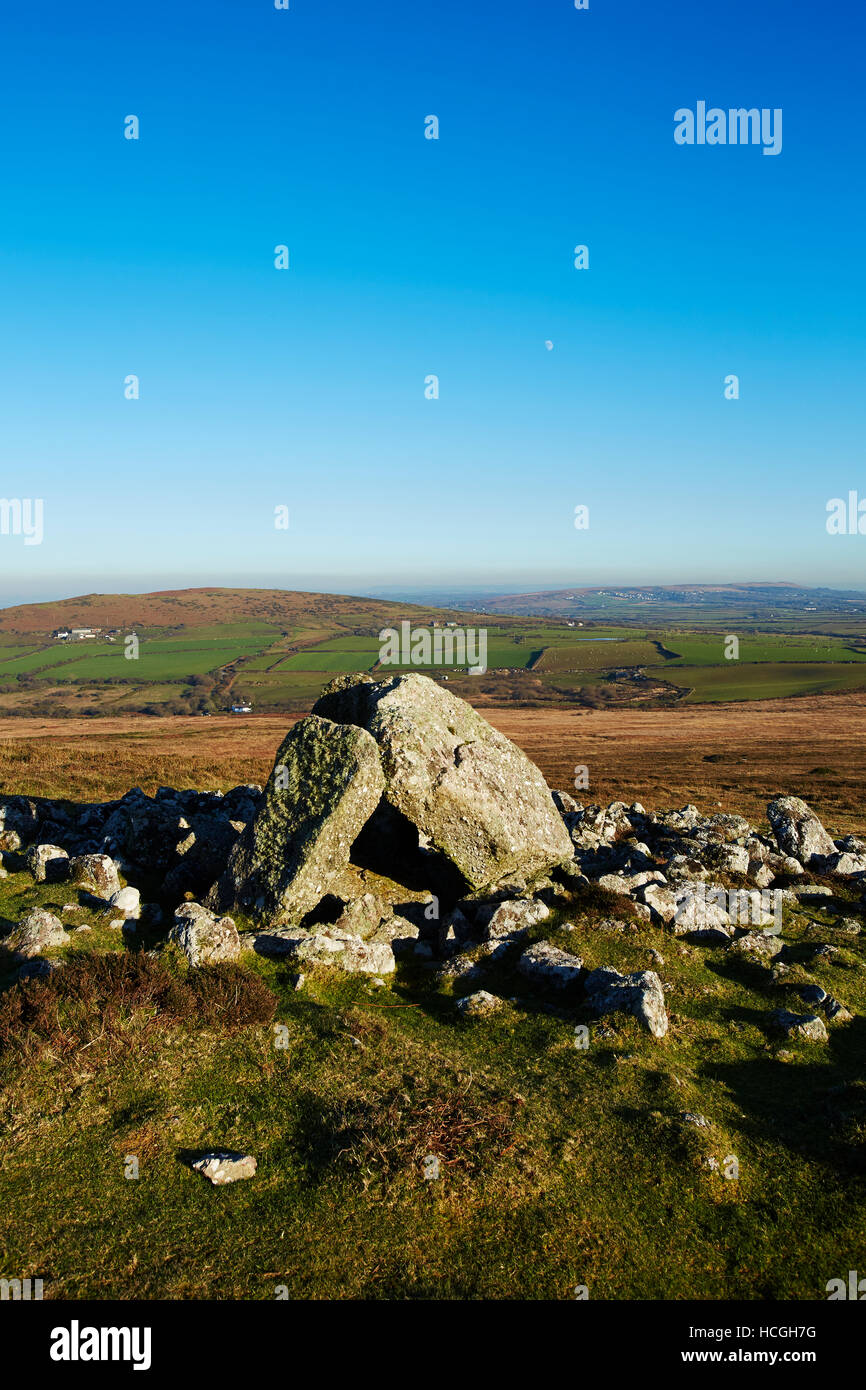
(473, 794)
(326, 782)
(798, 830)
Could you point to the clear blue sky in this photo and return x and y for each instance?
(410, 257)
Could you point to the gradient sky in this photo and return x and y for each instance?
(409, 257)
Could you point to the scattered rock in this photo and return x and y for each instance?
(640, 994)
(546, 964)
(223, 1166)
(689, 1117)
(329, 946)
(36, 969)
(96, 874)
(807, 1026)
(47, 863)
(798, 830)
(513, 919)
(204, 938)
(126, 901)
(757, 943)
(479, 1005)
(35, 933)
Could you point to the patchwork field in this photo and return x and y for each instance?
(277, 651)
(767, 680)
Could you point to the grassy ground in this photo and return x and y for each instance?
(765, 680)
(709, 650)
(559, 1166)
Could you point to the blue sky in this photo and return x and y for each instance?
(411, 257)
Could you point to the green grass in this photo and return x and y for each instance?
(769, 665)
(561, 1166)
(275, 690)
(597, 656)
(316, 660)
(710, 650)
(156, 661)
(349, 644)
(737, 681)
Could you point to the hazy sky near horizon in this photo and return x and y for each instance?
(305, 388)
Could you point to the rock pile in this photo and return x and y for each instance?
(397, 822)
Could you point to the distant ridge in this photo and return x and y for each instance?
(172, 608)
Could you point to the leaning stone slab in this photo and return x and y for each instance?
(326, 783)
(640, 994)
(471, 791)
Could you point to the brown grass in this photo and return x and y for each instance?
(734, 757)
(170, 608)
(462, 1124)
(91, 998)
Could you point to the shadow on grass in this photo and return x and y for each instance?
(813, 1105)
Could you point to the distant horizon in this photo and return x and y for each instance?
(413, 592)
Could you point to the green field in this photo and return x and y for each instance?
(273, 691)
(765, 681)
(597, 656)
(318, 660)
(710, 650)
(174, 660)
(284, 666)
(349, 644)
